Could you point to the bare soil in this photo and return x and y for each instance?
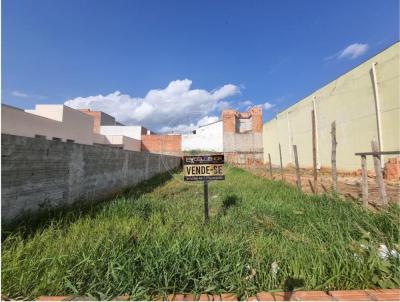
(348, 184)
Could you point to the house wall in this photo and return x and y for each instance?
(162, 144)
(54, 112)
(129, 131)
(62, 122)
(65, 123)
(99, 119)
(207, 138)
(349, 100)
(96, 115)
(39, 174)
(107, 120)
(126, 143)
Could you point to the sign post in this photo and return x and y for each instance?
(204, 168)
(206, 216)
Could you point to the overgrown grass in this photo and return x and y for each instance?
(262, 235)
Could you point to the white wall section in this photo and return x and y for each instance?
(207, 138)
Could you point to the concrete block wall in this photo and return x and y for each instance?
(40, 174)
(247, 159)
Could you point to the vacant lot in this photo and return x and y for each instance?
(263, 235)
(348, 185)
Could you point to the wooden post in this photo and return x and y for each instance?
(270, 165)
(254, 160)
(296, 160)
(311, 186)
(378, 172)
(334, 144)
(280, 156)
(314, 149)
(206, 216)
(364, 180)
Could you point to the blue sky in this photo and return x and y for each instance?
(167, 64)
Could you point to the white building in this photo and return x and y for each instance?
(61, 123)
(129, 131)
(205, 138)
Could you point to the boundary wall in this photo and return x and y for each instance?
(39, 174)
(350, 100)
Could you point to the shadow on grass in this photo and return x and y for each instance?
(289, 285)
(28, 223)
(228, 202)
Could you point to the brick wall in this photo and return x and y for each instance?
(242, 144)
(230, 119)
(392, 169)
(256, 114)
(40, 174)
(162, 144)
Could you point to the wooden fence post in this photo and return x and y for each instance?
(280, 156)
(334, 144)
(270, 165)
(364, 174)
(314, 149)
(254, 160)
(296, 160)
(378, 172)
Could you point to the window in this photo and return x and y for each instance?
(70, 141)
(57, 139)
(244, 125)
(40, 136)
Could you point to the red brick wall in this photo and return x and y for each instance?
(392, 169)
(229, 119)
(164, 144)
(256, 113)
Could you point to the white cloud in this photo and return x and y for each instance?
(244, 104)
(20, 94)
(177, 104)
(247, 103)
(268, 106)
(351, 52)
(186, 128)
(225, 91)
(207, 120)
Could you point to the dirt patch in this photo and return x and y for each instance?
(348, 184)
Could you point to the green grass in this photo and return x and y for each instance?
(153, 241)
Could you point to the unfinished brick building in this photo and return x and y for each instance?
(237, 134)
(242, 136)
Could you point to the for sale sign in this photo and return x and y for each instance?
(203, 167)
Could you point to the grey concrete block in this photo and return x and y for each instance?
(40, 174)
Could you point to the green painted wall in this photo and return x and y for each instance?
(349, 100)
